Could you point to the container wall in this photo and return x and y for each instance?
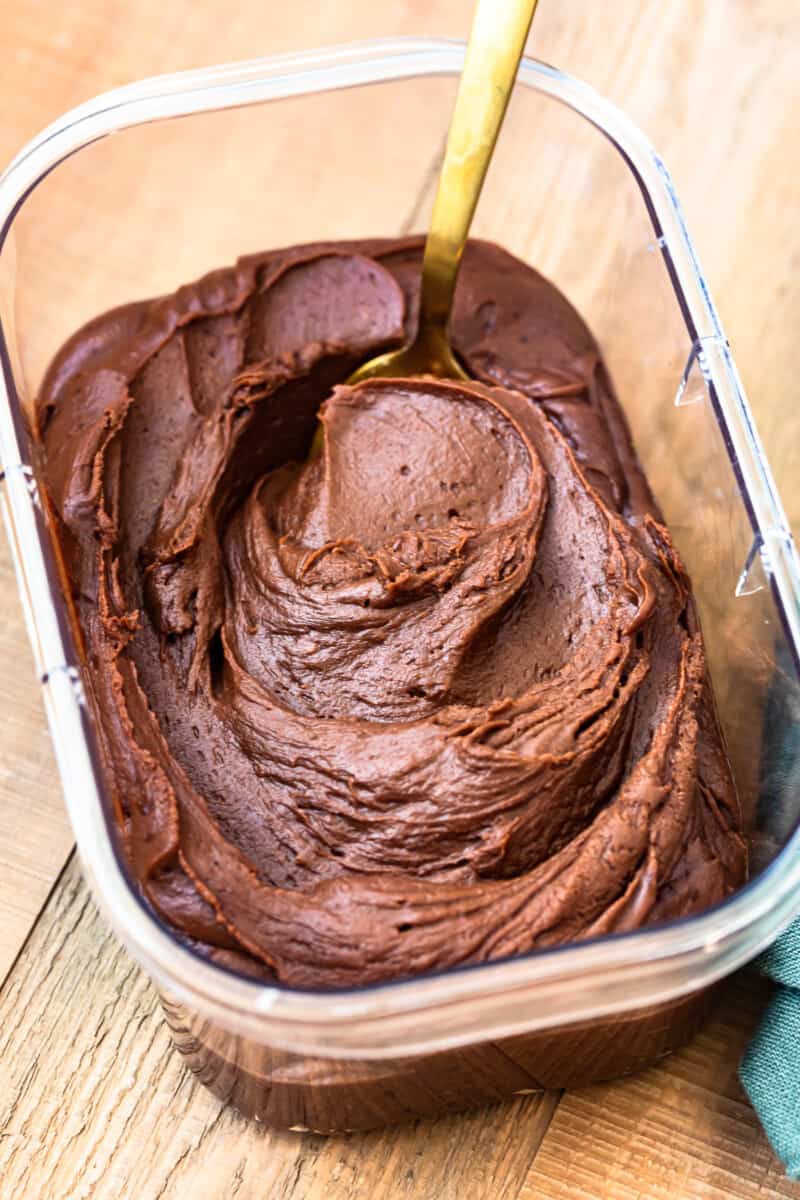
(293, 1091)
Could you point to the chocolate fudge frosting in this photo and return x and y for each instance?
(434, 696)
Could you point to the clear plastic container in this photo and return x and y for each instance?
(198, 172)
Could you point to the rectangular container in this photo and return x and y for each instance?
(199, 172)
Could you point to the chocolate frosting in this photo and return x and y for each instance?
(434, 696)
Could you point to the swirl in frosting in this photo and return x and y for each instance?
(434, 696)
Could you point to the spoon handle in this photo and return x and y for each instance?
(496, 42)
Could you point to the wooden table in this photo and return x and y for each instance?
(92, 1102)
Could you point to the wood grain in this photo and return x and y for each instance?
(684, 1130)
(34, 832)
(93, 1103)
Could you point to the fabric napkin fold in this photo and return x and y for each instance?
(770, 1068)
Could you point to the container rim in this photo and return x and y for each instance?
(611, 974)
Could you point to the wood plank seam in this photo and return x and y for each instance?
(43, 907)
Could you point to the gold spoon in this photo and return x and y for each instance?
(496, 42)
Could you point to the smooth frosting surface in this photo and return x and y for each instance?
(435, 696)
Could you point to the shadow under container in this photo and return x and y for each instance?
(211, 164)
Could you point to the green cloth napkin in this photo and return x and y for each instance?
(770, 1069)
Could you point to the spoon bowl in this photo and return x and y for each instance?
(429, 354)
